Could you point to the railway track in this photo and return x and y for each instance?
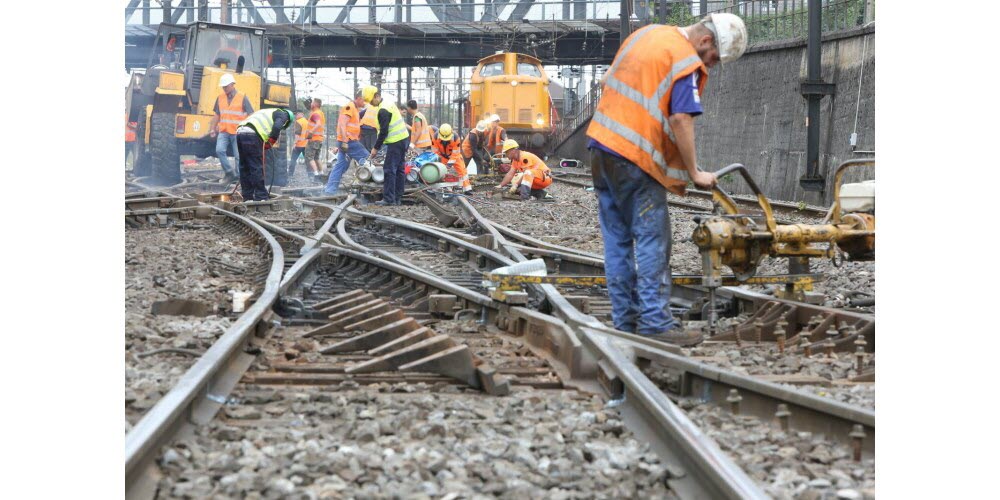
(290, 372)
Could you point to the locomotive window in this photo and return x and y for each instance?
(492, 69)
(528, 69)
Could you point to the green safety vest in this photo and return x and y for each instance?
(262, 122)
(397, 127)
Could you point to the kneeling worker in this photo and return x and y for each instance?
(446, 146)
(535, 174)
(259, 132)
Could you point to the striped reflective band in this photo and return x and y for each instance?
(643, 144)
(652, 104)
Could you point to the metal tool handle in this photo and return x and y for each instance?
(722, 197)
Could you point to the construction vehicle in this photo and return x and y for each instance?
(514, 87)
(174, 100)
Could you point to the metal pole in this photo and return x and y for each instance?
(224, 12)
(626, 19)
(166, 11)
(814, 89)
(409, 84)
(145, 12)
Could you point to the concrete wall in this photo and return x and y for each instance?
(755, 115)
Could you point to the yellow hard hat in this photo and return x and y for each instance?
(445, 132)
(509, 144)
(368, 93)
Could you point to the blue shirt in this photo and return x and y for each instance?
(684, 98)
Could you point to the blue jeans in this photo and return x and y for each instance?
(222, 143)
(251, 167)
(395, 172)
(354, 151)
(635, 225)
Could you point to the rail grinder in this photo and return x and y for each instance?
(740, 241)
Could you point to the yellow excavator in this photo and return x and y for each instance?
(173, 101)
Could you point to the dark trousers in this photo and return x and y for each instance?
(251, 149)
(369, 136)
(482, 164)
(295, 159)
(395, 172)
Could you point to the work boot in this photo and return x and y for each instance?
(683, 337)
(524, 191)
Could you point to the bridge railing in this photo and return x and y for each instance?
(584, 109)
(329, 12)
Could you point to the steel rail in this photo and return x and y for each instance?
(701, 469)
(165, 419)
(206, 385)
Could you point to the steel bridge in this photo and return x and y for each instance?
(407, 33)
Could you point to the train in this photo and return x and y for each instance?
(515, 87)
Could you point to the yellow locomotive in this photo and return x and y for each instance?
(514, 87)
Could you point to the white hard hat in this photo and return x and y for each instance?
(495, 118)
(730, 35)
(226, 80)
(481, 126)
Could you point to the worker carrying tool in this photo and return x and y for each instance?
(231, 107)
(445, 145)
(391, 133)
(258, 133)
(651, 94)
(534, 174)
(473, 148)
(349, 137)
(495, 136)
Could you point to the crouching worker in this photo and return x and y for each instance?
(256, 134)
(448, 149)
(535, 174)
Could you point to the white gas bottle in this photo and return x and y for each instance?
(858, 197)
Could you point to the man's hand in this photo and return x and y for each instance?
(704, 180)
(374, 152)
(343, 147)
(412, 146)
(213, 133)
(498, 186)
(270, 143)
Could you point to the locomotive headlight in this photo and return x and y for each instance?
(513, 83)
(539, 120)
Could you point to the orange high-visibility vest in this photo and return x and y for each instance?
(535, 169)
(318, 130)
(450, 152)
(371, 117)
(349, 130)
(302, 138)
(496, 137)
(631, 118)
(130, 131)
(231, 112)
(421, 135)
(467, 148)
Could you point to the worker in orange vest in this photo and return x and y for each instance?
(642, 146)
(420, 132)
(495, 136)
(349, 137)
(534, 174)
(472, 148)
(301, 141)
(447, 145)
(231, 107)
(130, 128)
(317, 134)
